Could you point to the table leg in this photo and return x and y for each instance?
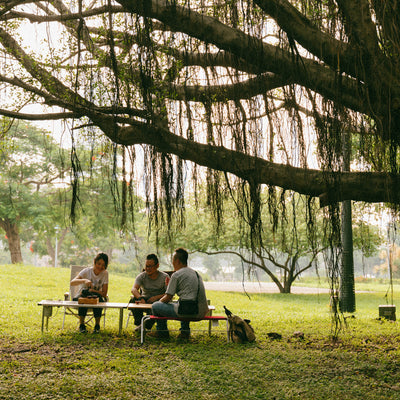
(46, 312)
(42, 318)
(121, 319)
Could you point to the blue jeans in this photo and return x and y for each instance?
(167, 310)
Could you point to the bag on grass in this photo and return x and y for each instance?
(240, 330)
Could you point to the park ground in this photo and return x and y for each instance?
(63, 364)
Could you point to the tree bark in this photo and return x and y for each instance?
(14, 241)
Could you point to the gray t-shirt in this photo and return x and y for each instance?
(151, 287)
(184, 283)
(97, 280)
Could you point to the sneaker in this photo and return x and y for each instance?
(82, 328)
(159, 334)
(184, 336)
(96, 329)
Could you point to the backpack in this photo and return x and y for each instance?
(240, 330)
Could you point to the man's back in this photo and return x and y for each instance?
(185, 283)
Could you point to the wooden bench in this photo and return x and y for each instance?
(48, 305)
(209, 318)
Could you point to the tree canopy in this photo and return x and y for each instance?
(262, 90)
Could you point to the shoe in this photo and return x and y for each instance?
(82, 328)
(184, 336)
(96, 329)
(159, 334)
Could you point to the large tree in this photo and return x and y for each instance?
(257, 92)
(223, 84)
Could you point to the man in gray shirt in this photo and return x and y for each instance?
(150, 285)
(188, 285)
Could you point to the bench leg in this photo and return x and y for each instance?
(143, 328)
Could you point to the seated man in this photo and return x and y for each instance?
(188, 285)
(149, 287)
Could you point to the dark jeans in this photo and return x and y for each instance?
(138, 315)
(167, 310)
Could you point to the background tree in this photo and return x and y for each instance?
(35, 187)
(286, 251)
(31, 166)
(97, 225)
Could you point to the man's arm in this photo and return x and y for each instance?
(137, 294)
(135, 290)
(166, 298)
(152, 299)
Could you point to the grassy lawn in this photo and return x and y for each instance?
(364, 364)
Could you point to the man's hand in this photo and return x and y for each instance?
(140, 300)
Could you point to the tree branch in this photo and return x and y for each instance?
(38, 117)
(305, 72)
(301, 29)
(340, 185)
(235, 91)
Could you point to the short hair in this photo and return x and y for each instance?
(102, 256)
(182, 255)
(152, 257)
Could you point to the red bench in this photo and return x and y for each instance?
(209, 318)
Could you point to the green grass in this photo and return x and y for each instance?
(363, 364)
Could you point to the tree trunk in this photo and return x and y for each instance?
(14, 241)
(287, 286)
(347, 301)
